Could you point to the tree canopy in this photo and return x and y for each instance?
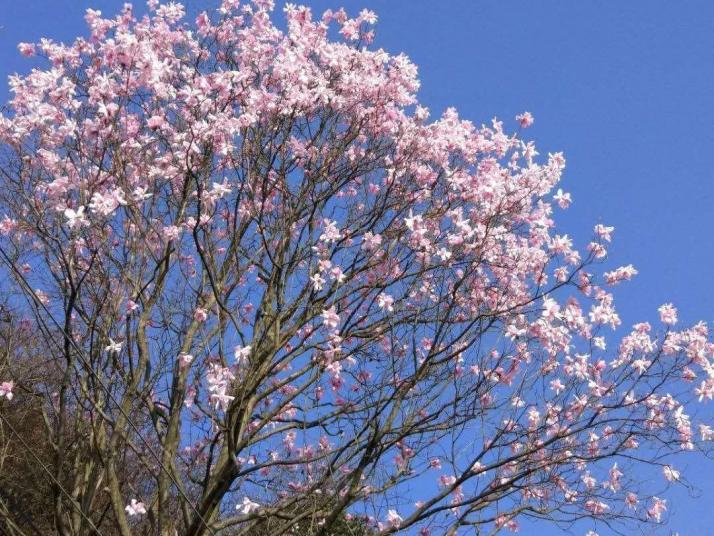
(254, 288)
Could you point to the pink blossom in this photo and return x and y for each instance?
(105, 204)
(42, 296)
(113, 347)
(171, 232)
(394, 519)
(75, 217)
(525, 119)
(447, 480)
(705, 389)
(670, 474)
(589, 481)
(185, 360)
(596, 508)
(557, 386)
(598, 250)
(7, 225)
(330, 318)
(219, 380)
(200, 314)
(317, 282)
(512, 525)
(657, 508)
(385, 301)
(6, 389)
(603, 232)
(135, 508)
(371, 241)
(533, 418)
(562, 198)
(631, 500)
(26, 49)
(615, 476)
(247, 506)
(622, 273)
(331, 233)
(551, 309)
(242, 353)
(219, 190)
(668, 314)
(706, 432)
(155, 122)
(504, 521)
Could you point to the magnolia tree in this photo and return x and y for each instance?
(275, 297)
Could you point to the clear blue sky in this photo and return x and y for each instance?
(624, 88)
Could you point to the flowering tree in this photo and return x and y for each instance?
(275, 296)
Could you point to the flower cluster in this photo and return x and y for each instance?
(322, 292)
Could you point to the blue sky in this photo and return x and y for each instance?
(624, 89)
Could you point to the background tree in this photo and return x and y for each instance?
(275, 297)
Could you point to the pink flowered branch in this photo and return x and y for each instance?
(291, 297)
